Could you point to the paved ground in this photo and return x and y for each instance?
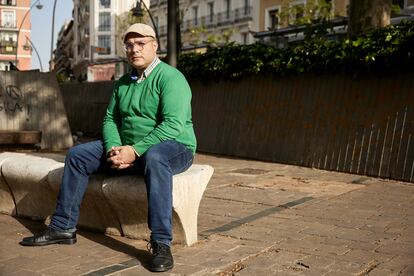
(255, 218)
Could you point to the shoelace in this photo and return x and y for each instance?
(155, 248)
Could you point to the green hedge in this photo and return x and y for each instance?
(382, 50)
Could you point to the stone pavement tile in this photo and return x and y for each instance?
(399, 228)
(24, 272)
(397, 248)
(352, 234)
(406, 237)
(264, 234)
(318, 229)
(397, 264)
(312, 245)
(369, 246)
(408, 271)
(61, 270)
(383, 272)
(339, 273)
(366, 256)
(251, 195)
(346, 267)
(317, 262)
(13, 265)
(213, 224)
(136, 271)
(229, 208)
(278, 224)
(268, 261)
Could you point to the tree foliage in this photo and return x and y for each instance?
(381, 50)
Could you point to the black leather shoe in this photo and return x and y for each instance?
(162, 260)
(50, 236)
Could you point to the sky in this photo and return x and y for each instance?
(41, 34)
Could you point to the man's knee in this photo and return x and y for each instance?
(74, 152)
(153, 157)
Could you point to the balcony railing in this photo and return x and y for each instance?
(8, 24)
(7, 50)
(8, 43)
(8, 2)
(220, 19)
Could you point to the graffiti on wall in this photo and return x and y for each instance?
(12, 100)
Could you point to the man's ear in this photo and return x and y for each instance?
(155, 45)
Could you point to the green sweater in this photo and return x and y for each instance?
(153, 111)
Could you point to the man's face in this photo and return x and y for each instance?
(140, 50)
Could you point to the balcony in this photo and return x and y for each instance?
(8, 24)
(7, 43)
(8, 2)
(239, 15)
(7, 49)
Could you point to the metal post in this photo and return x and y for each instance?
(172, 33)
(53, 33)
(37, 53)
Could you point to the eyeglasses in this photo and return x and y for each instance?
(129, 46)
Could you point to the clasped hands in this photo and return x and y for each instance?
(121, 157)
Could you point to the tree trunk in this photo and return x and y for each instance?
(365, 15)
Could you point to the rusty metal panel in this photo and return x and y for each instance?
(359, 124)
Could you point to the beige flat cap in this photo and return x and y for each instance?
(139, 28)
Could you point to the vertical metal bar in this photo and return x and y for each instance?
(172, 33)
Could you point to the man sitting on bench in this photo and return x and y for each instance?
(148, 130)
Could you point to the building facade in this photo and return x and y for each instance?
(97, 47)
(274, 12)
(209, 21)
(63, 54)
(15, 43)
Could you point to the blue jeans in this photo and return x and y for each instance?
(158, 165)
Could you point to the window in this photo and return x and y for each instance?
(8, 2)
(273, 19)
(8, 19)
(210, 11)
(8, 37)
(104, 41)
(246, 7)
(195, 15)
(104, 4)
(104, 21)
(8, 43)
(245, 38)
(4, 66)
(297, 10)
(228, 6)
(400, 3)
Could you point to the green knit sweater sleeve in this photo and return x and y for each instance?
(112, 123)
(174, 109)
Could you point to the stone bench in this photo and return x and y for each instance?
(29, 186)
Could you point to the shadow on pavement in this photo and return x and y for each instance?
(141, 257)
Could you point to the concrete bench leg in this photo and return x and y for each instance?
(7, 205)
(188, 190)
(127, 195)
(26, 177)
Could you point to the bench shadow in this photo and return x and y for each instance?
(142, 256)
